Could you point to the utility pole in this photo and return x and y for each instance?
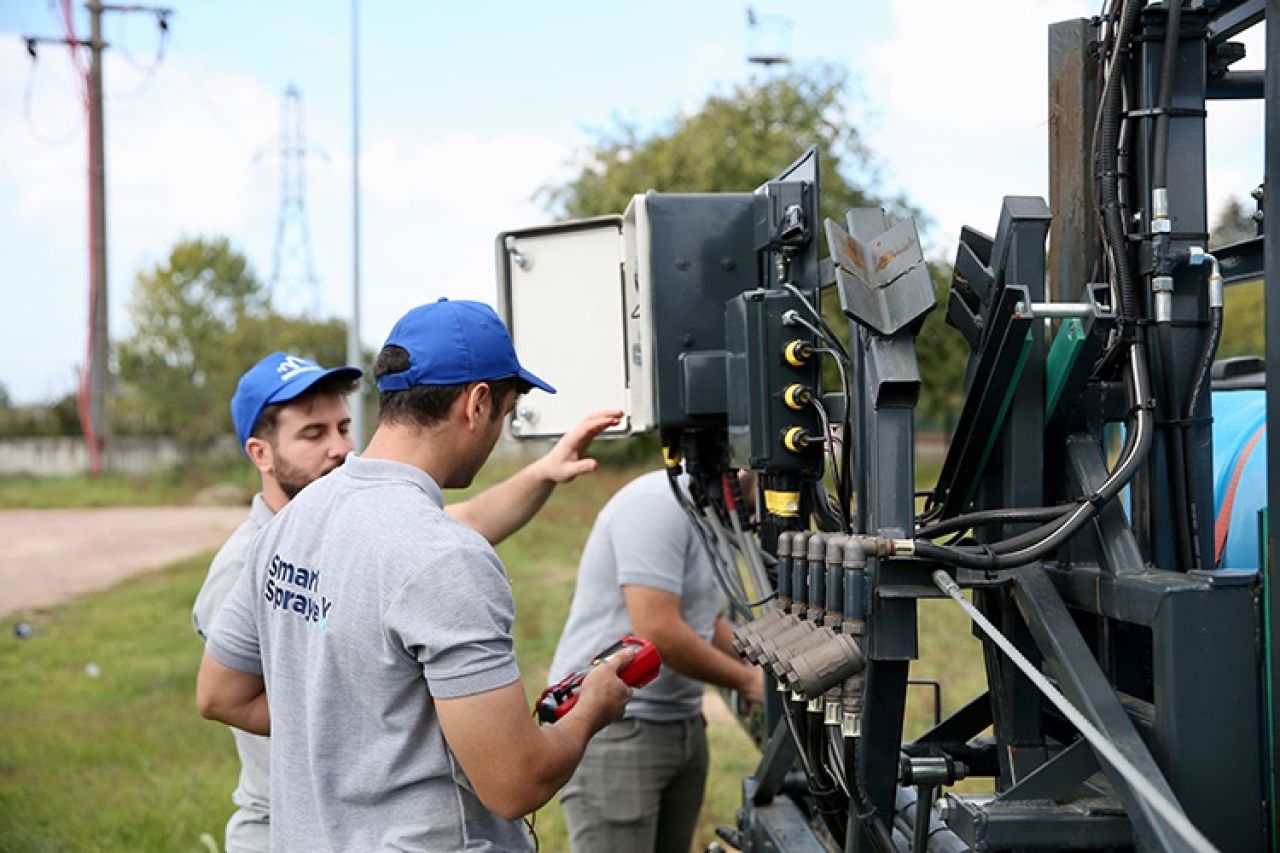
(354, 356)
(99, 335)
(95, 377)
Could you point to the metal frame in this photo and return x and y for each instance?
(1166, 662)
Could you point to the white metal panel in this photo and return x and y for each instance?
(564, 306)
(638, 301)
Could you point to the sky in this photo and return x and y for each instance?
(467, 110)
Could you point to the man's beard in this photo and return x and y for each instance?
(293, 480)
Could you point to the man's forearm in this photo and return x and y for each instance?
(229, 696)
(687, 653)
(722, 637)
(514, 765)
(254, 718)
(564, 744)
(501, 510)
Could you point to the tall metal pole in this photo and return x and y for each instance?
(99, 371)
(353, 326)
(1271, 313)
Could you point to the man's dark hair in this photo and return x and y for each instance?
(336, 383)
(427, 405)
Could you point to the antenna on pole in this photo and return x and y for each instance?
(768, 39)
(295, 287)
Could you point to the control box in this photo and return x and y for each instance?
(773, 376)
(628, 311)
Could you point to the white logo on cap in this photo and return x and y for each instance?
(292, 366)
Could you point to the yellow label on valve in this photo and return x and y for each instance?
(782, 503)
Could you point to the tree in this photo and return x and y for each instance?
(1234, 223)
(735, 142)
(943, 355)
(732, 143)
(1243, 327)
(57, 418)
(200, 319)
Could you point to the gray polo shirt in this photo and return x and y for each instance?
(249, 830)
(641, 537)
(362, 601)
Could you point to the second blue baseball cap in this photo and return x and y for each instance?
(452, 342)
(278, 378)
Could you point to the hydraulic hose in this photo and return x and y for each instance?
(1198, 381)
(1048, 538)
(1107, 157)
(1207, 355)
(984, 517)
(864, 811)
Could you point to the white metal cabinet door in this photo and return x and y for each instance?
(560, 293)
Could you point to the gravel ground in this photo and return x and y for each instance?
(50, 556)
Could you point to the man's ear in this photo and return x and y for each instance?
(479, 399)
(259, 452)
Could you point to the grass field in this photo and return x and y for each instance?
(172, 486)
(119, 761)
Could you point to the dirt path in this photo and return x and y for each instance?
(50, 556)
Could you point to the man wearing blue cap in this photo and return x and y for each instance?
(292, 421)
(380, 626)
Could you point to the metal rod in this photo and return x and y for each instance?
(924, 810)
(354, 356)
(1235, 86)
(1271, 313)
(1056, 310)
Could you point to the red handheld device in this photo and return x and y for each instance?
(558, 699)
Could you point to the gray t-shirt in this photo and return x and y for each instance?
(642, 537)
(249, 831)
(363, 601)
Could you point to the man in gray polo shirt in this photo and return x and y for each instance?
(644, 571)
(380, 627)
(292, 421)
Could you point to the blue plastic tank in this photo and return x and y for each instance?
(1239, 456)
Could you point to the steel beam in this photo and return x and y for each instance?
(775, 826)
(779, 755)
(1094, 823)
(1080, 678)
(1232, 19)
(1058, 777)
(1117, 547)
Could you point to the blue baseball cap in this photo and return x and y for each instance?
(452, 343)
(278, 378)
